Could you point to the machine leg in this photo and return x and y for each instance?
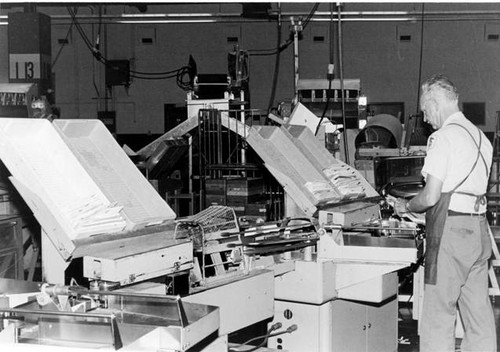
(53, 265)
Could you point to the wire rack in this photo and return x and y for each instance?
(207, 225)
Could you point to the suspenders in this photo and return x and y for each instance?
(481, 198)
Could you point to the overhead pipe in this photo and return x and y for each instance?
(235, 17)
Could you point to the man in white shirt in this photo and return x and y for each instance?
(458, 246)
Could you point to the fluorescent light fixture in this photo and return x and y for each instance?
(165, 15)
(364, 19)
(164, 21)
(141, 15)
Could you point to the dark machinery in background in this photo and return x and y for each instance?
(16, 99)
(332, 100)
(30, 71)
(232, 174)
(384, 131)
(386, 162)
(199, 162)
(229, 172)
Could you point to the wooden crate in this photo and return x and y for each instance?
(245, 186)
(215, 186)
(234, 192)
(214, 199)
(261, 209)
(258, 209)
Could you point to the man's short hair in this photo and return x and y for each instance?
(441, 85)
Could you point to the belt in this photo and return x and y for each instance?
(457, 213)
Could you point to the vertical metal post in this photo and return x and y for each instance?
(242, 119)
(219, 143)
(208, 137)
(341, 74)
(190, 162)
(229, 158)
(211, 140)
(297, 28)
(201, 150)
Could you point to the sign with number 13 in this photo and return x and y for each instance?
(26, 66)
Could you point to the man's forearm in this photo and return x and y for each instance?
(420, 203)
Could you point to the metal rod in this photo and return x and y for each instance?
(57, 313)
(201, 151)
(210, 141)
(213, 138)
(342, 91)
(190, 165)
(228, 144)
(212, 265)
(219, 137)
(284, 14)
(242, 107)
(296, 59)
(348, 16)
(84, 291)
(421, 59)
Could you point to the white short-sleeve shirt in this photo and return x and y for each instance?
(451, 153)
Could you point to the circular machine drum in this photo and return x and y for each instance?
(382, 130)
(405, 190)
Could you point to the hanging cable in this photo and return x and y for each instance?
(286, 44)
(269, 334)
(179, 73)
(276, 63)
(78, 27)
(330, 75)
(341, 78)
(93, 62)
(63, 45)
(420, 59)
(311, 14)
(272, 328)
(98, 37)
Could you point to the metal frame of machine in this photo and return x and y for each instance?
(333, 252)
(76, 317)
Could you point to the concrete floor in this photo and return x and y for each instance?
(408, 328)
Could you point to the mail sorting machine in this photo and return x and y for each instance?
(93, 204)
(95, 207)
(354, 272)
(343, 295)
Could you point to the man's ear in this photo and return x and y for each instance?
(432, 106)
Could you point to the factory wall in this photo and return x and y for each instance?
(372, 51)
(4, 56)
